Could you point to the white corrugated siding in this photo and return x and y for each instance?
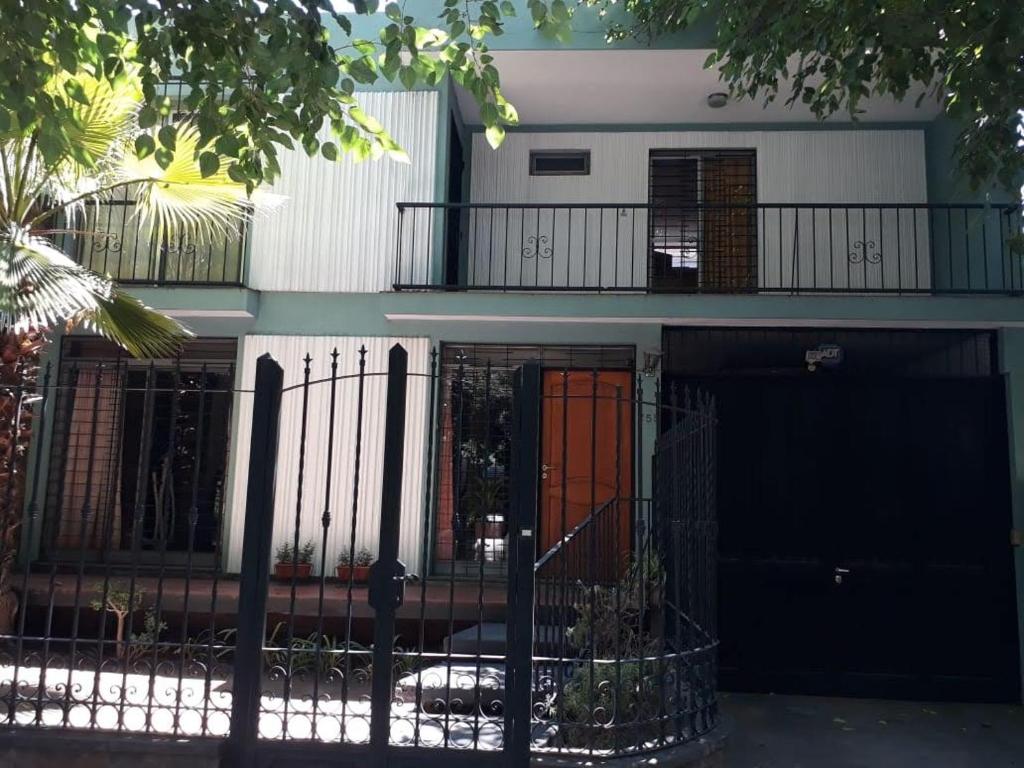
(885, 166)
(289, 352)
(337, 228)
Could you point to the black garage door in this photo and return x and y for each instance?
(864, 529)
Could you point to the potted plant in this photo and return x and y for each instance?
(356, 568)
(486, 510)
(289, 563)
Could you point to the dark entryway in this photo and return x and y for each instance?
(454, 224)
(864, 511)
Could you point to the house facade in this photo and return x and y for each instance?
(854, 309)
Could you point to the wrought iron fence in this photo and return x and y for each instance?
(121, 626)
(291, 642)
(711, 248)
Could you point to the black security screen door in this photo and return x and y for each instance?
(703, 220)
(864, 516)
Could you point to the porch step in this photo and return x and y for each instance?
(489, 639)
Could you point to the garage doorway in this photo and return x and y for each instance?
(864, 511)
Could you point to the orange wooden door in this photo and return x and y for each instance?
(586, 456)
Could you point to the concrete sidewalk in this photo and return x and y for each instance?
(816, 732)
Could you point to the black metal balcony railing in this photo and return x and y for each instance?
(711, 248)
(111, 240)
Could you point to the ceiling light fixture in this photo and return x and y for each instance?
(717, 100)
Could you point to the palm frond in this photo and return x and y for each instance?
(179, 200)
(40, 287)
(101, 126)
(129, 323)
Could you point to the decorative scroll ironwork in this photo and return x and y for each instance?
(180, 246)
(103, 241)
(537, 245)
(864, 250)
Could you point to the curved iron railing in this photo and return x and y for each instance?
(625, 638)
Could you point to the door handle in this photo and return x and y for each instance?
(838, 574)
(545, 468)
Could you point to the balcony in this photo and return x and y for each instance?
(112, 241)
(711, 248)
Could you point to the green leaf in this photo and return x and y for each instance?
(488, 114)
(329, 150)
(367, 123)
(74, 89)
(209, 164)
(495, 135)
(148, 117)
(168, 135)
(144, 145)
(164, 157)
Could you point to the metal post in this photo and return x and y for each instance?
(252, 590)
(387, 575)
(522, 554)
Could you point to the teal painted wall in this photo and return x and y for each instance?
(472, 314)
(980, 237)
(38, 466)
(588, 30)
(945, 182)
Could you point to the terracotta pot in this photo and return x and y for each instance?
(492, 529)
(360, 573)
(288, 570)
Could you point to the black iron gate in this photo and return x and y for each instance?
(384, 704)
(289, 645)
(542, 675)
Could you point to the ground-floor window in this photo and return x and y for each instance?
(473, 452)
(139, 448)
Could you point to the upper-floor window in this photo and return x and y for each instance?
(560, 162)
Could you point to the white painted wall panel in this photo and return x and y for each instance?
(544, 248)
(289, 352)
(336, 230)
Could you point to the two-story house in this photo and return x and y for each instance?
(855, 310)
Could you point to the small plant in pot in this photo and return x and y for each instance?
(355, 567)
(486, 501)
(291, 563)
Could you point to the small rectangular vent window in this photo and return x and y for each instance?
(560, 162)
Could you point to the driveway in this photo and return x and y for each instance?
(816, 732)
